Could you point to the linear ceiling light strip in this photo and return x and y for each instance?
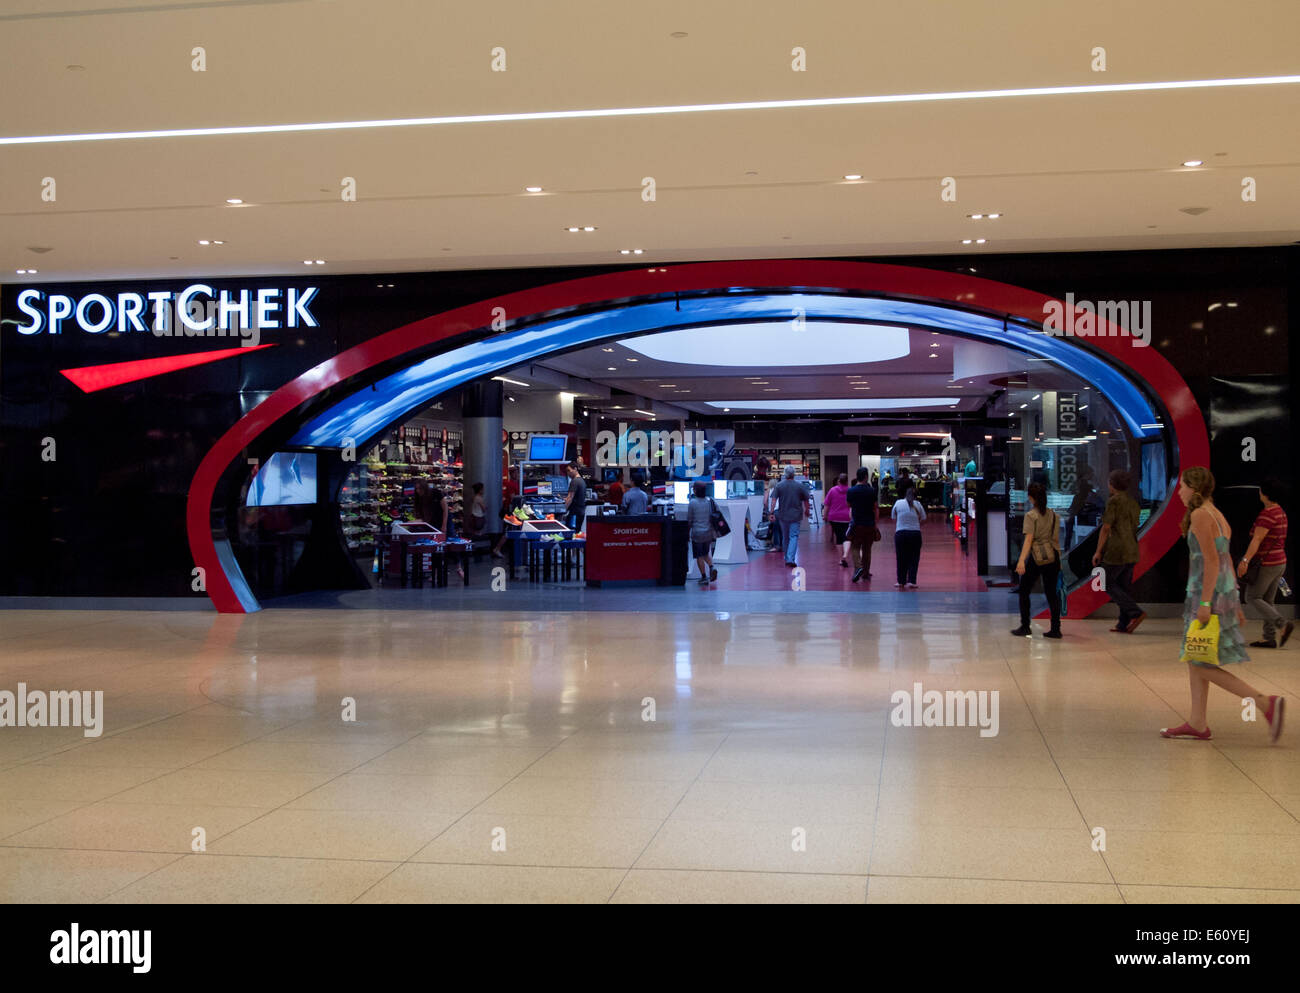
(560, 115)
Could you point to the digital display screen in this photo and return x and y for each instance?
(719, 489)
(546, 448)
(286, 479)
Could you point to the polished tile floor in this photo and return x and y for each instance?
(501, 756)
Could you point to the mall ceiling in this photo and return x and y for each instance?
(1065, 172)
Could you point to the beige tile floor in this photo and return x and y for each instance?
(505, 758)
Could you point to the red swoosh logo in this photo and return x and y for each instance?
(90, 378)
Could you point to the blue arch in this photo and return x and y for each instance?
(369, 411)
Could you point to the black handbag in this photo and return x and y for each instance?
(716, 521)
(1252, 573)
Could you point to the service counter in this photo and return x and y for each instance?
(643, 549)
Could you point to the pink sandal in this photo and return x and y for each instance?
(1276, 711)
(1185, 730)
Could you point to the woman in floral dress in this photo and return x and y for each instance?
(1210, 568)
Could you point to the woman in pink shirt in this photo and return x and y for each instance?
(836, 510)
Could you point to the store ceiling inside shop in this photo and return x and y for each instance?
(1083, 171)
(914, 375)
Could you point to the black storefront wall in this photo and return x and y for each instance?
(107, 517)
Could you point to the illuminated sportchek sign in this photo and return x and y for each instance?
(200, 309)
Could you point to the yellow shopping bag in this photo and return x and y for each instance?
(1201, 644)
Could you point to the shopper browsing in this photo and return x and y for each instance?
(575, 502)
(635, 500)
(1117, 551)
(792, 506)
(699, 519)
(862, 530)
(1040, 556)
(835, 508)
(1212, 593)
(1268, 548)
(615, 493)
(908, 515)
(769, 511)
(477, 513)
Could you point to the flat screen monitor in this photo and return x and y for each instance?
(547, 447)
(285, 479)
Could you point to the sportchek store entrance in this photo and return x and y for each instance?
(336, 460)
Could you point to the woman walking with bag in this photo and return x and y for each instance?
(1040, 555)
(835, 509)
(699, 517)
(1213, 607)
(908, 515)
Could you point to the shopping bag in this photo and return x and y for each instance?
(719, 523)
(1201, 644)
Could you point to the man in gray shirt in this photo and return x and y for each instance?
(635, 500)
(791, 509)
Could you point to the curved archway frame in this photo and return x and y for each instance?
(224, 581)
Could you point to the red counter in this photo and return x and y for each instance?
(625, 548)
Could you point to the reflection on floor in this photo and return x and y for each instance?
(514, 757)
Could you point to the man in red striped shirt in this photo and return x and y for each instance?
(1268, 546)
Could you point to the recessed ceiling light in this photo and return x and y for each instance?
(975, 217)
(613, 368)
(994, 217)
(625, 251)
(726, 410)
(853, 175)
(1193, 163)
(966, 241)
(573, 229)
(320, 261)
(234, 200)
(632, 360)
(1036, 396)
(589, 228)
(1023, 406)
(980, 241)
(532, 189)
(306, 261)
(667, 386)
(204, 241)
(933, 356)
(607, 349)
(218, 243)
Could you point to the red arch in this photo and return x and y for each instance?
(900, 281)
